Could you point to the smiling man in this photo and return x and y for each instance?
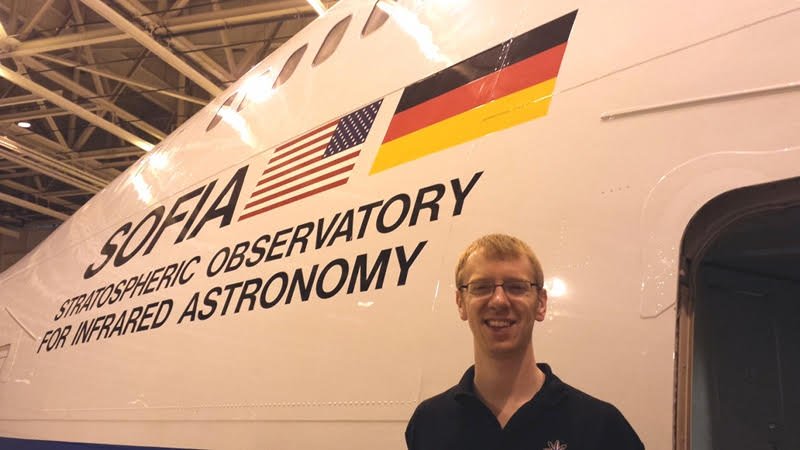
(507, 400)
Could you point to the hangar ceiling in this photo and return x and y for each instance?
(86, 86)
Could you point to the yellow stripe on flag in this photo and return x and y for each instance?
(513, 109)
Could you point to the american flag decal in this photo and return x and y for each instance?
(315, 162)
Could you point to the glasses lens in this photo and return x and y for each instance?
(517, 288)
(480, 288)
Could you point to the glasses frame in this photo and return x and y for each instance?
(494, 287)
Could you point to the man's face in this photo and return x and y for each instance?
(501, 325)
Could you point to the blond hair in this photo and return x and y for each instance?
(500, 247)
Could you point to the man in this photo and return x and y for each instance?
(507, 400)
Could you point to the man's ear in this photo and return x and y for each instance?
(462, 308)
(541, 304)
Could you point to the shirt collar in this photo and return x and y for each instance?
(551, 392)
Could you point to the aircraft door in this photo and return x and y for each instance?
(738, 342)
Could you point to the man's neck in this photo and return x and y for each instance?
(506, 383)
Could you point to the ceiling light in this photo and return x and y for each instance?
(317, 5)
(24, 124)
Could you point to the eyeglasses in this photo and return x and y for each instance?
(512, 288)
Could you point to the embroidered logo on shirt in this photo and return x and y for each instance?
(557, 445)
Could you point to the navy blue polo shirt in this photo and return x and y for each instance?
(558, 417)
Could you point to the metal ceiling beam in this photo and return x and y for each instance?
(252, 53)
(51, 123)
(32, 206)
(10, 232)
(33, 21)
(111, 76)
(99, 84)
(52, 167)
(42, 91)
(42, 113)
(110, 153)
(68, 193)
(151, 44)
(47, 196)
(226, 42)
(93, 97)
(259, 13)
(21, 99)
(182, 44)
(32, 139)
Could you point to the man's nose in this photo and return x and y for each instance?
(499, 297)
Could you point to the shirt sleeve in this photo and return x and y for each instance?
(618, 433)
(410, 431)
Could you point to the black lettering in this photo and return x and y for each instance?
(167, 277)
(62, 310)
(82, 334)
(225, 252)
(118, 326)
(237, 256)
(96, 326)
(210, 302)
(461, 194)
(156, 215)
(345, 228)
(367, 210)
(234, 186)
(277, 242)
(107, 322)
(360, 271)
(258, 251)
(323, 236)
(133, 319)
(76, 304)
(154, 277)
(405, 263)
(305, 288)
(230, 288)
(305, 229)
(172, 218)
(405, 201)
(109, 249)
(184, 268)
(160, 318)
(45, 339)
(188, 225)
(107, 292)
(249, 294)
(191, 309)
(432, 204)
(284, 278)
(143, 326)
(338, 262)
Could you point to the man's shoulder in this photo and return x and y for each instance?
(439, 403)
(599, 418)
(580, 399)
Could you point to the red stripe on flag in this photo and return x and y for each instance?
(277, 157)
(292, 160)
(305, 136)
(301, 185)
(306, 173)
(528, 72)
(295, 198)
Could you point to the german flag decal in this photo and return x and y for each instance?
(504, 86)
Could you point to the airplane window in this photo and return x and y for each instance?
(218, 117)
(250, 89)
(376, 19)
(288, 68)
(331, 41)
